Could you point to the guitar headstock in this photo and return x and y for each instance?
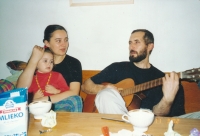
(191, 74)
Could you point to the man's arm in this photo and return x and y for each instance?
(170, 88)
(90, 87)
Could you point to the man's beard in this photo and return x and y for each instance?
(141, 56)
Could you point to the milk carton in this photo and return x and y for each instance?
(14, 113)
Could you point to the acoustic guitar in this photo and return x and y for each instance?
(128, 88)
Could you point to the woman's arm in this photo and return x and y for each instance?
(74, 90)
(25, 79)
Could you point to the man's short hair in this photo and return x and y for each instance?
(148, 36)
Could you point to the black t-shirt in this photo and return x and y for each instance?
(70, 68)
(118, 71)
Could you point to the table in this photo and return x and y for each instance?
(90, 124)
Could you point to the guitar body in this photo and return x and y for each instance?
(125, 84)
(89, 104)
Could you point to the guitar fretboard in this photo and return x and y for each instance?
(142, 87)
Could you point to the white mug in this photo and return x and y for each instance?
(139, 118)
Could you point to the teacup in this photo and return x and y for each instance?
(139, 118)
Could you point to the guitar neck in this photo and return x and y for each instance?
(142, 87)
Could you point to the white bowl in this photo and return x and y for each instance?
(140, 119)
(39, 108)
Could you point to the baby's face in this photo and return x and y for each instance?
(45, 64)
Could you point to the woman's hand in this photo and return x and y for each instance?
(51, 89)
(38, 94)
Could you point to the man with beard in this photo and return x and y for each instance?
(163, 100)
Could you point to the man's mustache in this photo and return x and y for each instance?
(132, 51)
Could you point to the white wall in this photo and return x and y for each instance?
(99, 35)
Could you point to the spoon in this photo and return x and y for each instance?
(113, 119)
(44, 131)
